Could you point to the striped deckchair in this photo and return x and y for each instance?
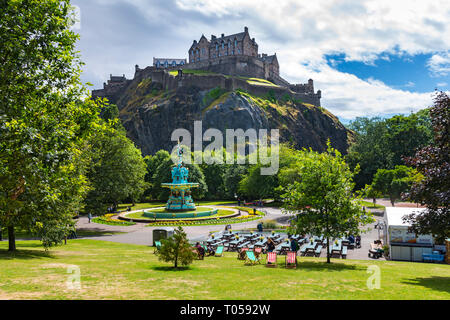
(291, 259)
(257, 251)
(271, 259)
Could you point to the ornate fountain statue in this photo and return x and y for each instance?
(180, 198)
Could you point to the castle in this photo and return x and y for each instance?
(233, 55)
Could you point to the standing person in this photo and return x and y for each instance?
(89, 217)
(254, 211)
(270, 245)
(294, 245)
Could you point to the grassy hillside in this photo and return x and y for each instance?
(116, 271)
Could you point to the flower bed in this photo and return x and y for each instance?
(107, 219)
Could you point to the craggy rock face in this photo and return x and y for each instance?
(150, 115)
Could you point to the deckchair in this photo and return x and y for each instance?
(291, 259)
(157, 246)
(219, 251)
(251, 258)
(271, 259)
(242, 254)
(257, 251)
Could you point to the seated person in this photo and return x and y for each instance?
(200, 250)
(210, 251)
(351, 239)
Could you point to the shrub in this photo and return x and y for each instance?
(176, 249)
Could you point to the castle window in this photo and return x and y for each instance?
(223, 45)
(217, 47)
(182, 62)
(157, 64)
(235, 43)
(203, 50)
(174, 63)
(166, 64)
(239, 51)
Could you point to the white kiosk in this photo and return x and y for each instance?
(403, 245)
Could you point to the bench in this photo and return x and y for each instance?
(318, 250)
(433, 257)
(344, 252)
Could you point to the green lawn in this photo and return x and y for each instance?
(370, 205)
(122, 271)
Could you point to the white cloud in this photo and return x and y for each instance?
(303, 32)
(300, 32)
(439, 64)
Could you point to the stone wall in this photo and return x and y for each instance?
(204, 82)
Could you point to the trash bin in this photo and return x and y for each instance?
(162, 233)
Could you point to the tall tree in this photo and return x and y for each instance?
(433, 162)
(322, 197)
(117, 171)
(382, 143)
(394, 182)
(44, 119)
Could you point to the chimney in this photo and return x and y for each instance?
(213, 37)
(245, 29)
(223, 35)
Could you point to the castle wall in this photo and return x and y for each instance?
(232, 65)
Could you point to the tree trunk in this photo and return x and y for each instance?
(328, 250)
(393, 202)
(11, 239)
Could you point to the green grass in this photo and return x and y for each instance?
(123, 271)
(370, 205)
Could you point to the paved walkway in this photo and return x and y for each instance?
(141, 234)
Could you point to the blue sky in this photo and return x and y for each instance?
(368, 57)
(409, 72)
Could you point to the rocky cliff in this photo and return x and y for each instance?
(150, 114)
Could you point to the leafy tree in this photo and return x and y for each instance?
(44, 120)
(255, 185)
(394, 182)
(322, 197)
(152, 163)
(373, 193)
(117, 171)
(176, 249)
(233, 174)
(433, 162)
(381, 143)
